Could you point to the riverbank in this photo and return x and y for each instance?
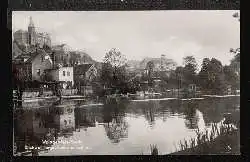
(223, 144)
(222, 139)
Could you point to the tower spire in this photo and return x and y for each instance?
(31, 24)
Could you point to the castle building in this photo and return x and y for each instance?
(32, 37)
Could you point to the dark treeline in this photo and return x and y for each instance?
(212, 78)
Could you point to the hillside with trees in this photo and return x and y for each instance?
(168, 64)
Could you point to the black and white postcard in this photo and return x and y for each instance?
(126, 82)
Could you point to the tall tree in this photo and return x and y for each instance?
(235, 62)
(189, 71)
(115, 58)
(113, 70)
(211, 76)
(217, 76)
(203, 74)
(150, 67)
(231, 77)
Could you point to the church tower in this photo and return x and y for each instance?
(31, 33)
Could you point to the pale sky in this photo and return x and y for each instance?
(139, 34)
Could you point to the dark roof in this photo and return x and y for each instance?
(82, 69)
(29, 56)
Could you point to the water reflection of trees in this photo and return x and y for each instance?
(150, 111)
(114, 122)
(84, 118)
(191, 117)
(117, 129)
(153, 110)
(111, 115)
(213, 109)
(174, 106)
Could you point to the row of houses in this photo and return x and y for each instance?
(40, 66)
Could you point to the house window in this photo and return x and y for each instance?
(42, 59)
(63, 73)
(38, 71)
(68, 73)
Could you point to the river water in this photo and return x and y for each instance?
(126, 127)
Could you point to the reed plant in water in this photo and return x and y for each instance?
(154, 149)
(206, 137)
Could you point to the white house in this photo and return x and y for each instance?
(62, 74)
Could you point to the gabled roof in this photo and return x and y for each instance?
(82, 69)
(30, 56)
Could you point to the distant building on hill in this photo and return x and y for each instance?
(32, 37)
(160, 64)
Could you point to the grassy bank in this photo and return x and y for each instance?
(223, 139)
(223, 144)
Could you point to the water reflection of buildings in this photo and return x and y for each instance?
(31, 122)
(64, 119)
(32, 126)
